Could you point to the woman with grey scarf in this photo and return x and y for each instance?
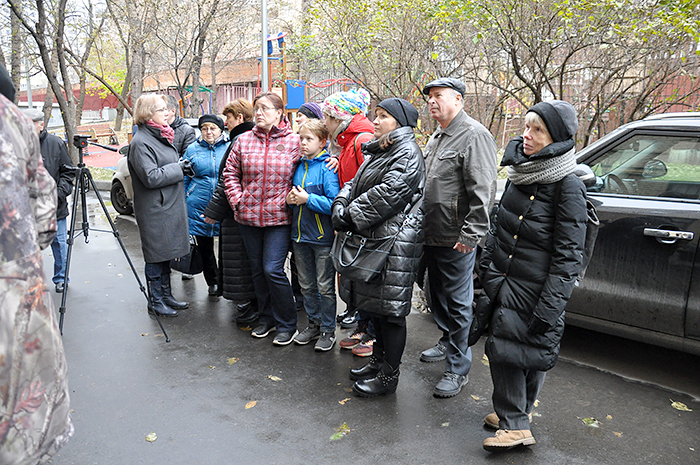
(531, 260)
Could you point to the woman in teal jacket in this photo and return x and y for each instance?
(205, 154)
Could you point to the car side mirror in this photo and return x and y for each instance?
(654, 169)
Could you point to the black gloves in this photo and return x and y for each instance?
(537, 326)
(341, 218)
(186, 166)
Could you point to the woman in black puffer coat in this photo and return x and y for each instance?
(532, 257)
(377, 202)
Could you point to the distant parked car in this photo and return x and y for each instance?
(121, 193)
(643, 281)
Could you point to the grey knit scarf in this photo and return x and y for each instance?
(544, 170)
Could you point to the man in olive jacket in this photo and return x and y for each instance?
(59, 165)
(460, 160)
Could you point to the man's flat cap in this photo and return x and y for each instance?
(452, 83)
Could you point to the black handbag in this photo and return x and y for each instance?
(482, 317)
(360, 258)
(192, 262)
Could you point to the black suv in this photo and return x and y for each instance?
(643, 281)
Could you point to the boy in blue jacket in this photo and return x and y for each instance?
(315, 187)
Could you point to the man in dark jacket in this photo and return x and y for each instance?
(60, 167)
(184, 133)
(460, 160)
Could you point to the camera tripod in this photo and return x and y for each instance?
(83, 181)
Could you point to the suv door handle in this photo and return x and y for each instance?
(669, 236)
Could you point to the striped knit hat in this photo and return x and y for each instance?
(344, 105)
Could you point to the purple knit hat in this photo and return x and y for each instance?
(311, 110)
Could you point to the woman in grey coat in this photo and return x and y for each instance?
(378, 203)
(159, 200)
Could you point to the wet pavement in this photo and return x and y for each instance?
(126, 382)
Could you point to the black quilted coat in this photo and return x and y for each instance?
(235, 279)
(532, 258)
(378, 200)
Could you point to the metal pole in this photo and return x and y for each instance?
(265, 79)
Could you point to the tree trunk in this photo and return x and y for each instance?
(16, 54)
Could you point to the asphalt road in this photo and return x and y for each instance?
(126, 382)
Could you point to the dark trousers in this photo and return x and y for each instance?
(267, 251)
(514, 394)
(452, 292)
(390, 340)
(206, 248)
(156, 270)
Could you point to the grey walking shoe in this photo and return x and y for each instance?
(285, 338)
(326, 342)
(309, 334)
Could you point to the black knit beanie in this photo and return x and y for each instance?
(559, 117)
(401, 110)
(211, 119)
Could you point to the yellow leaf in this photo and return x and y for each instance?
(446, 424)
(144, 334)
(619, 435)
(233, 360)
(475, 397)
(245, 328)
(342, 402)
(609, 417)
(485, 360)
(680, 406)
(212, 367)
(537, 403)
(592, 422)
(274, 378)
(151, 437)
(347, 389)
(251, 404)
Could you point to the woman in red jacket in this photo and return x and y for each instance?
(349, 129)
(257, 178)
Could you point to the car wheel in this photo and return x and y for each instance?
(120, 202)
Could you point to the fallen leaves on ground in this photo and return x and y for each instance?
(475, 397)
(340, 432)
(151, 437)
(233, 360)
(251, 404)
(619, 435)
(144, 334)
(275, 378)
(212, 367)
(609, 417)
(446, 424)
(342, 402)
(347, 389)
(485, 360)
(680, 406)
(592, 422)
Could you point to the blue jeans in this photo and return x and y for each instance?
(267, 251)
(452, 292)
(59, 247)
(317, 280)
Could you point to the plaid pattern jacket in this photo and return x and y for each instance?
(258, 175)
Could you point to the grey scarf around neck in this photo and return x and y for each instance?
(543, 170)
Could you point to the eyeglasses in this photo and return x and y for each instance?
(162, 110)
(209, 128)
(263, 109)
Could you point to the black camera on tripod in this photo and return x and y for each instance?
(80, 141)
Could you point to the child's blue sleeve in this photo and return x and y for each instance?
(331, 187)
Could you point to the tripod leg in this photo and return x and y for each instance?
(70, 241)
(126, 254)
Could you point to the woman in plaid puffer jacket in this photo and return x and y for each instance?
(257, 178)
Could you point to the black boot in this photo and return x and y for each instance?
(368, 371)
(247, 313)
(168, 298)
(155, 299)
(384, 383)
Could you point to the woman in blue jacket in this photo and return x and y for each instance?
(205, 154)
